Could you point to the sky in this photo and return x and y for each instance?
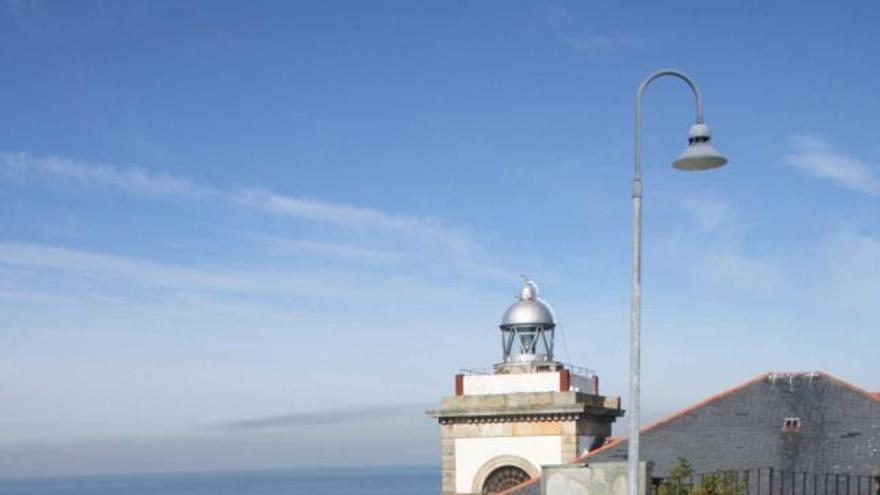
(241, 235)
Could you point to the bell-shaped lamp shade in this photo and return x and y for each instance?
(700, 154)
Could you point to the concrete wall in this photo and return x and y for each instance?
(608, 478)
(468, 447)
(533, 428)
(471, 454)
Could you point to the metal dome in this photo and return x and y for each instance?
(529, 309)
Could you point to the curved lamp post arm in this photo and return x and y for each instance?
(636, 313)
(640, 94)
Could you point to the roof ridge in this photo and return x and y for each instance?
(620, 440)
(875, 396)
(680, 413)
(724, 393)
(855, 388)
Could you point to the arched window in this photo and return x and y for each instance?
(503, 478)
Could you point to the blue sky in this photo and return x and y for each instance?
(316, 212)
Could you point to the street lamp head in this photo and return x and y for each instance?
(700, 154)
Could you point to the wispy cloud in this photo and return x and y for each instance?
(136, 273)
(24, 167)
(744, 274)
(330, 250)
(27, 168)
(143, 273)
(816, 158)
(325, 417)
(352, 216)
(708, 212)
(853, 281)
(592, 44)
(569, 26)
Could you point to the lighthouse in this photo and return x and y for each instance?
(528, 410)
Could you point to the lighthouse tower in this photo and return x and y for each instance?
(504, 423)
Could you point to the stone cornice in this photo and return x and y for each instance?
(530, 406)
(507, 418)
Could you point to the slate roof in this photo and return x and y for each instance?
(742, 428)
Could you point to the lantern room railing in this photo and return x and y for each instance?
(574, 369)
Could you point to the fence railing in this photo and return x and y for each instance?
(576, 370)
(768, 481)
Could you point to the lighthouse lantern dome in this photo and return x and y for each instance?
(527, 327)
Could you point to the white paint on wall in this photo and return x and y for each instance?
(472, 453)
(508, 384)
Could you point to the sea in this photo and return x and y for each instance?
(324, 481)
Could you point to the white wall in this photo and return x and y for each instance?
(472, 453)
(507, 384)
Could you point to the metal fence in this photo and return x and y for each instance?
(768, 481)
(576, 370)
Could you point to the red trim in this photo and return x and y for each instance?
(459, 384)
(725, 393)
(617, 441)
(875, 396)
(517, 488)
(675, 416)
(564, 381)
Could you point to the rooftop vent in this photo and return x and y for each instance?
(791, 425)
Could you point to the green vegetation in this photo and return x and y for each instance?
(683, 481)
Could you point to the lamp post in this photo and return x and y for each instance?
(699, 155)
